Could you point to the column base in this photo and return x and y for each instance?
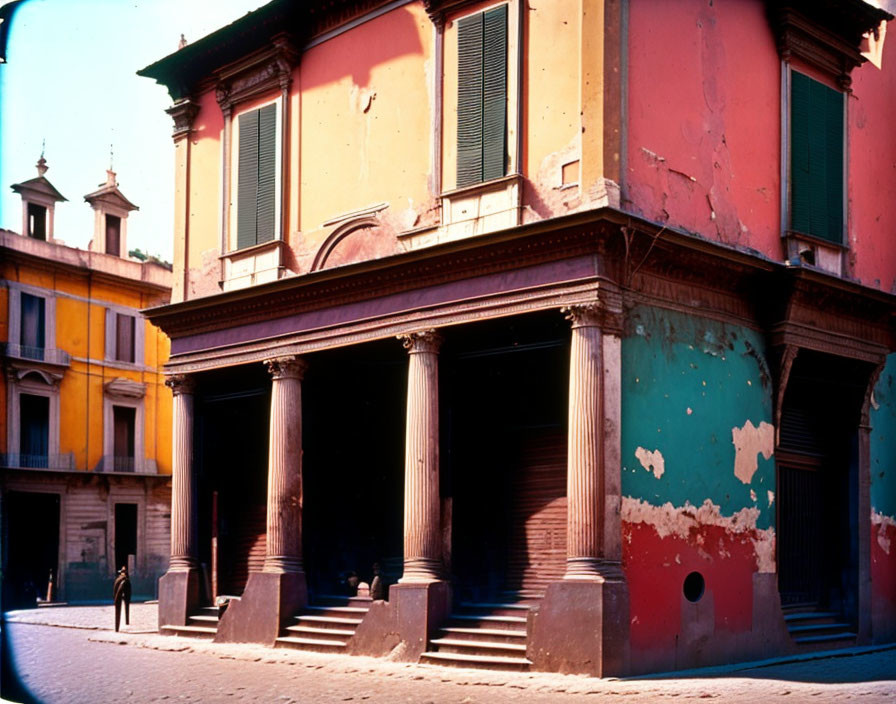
(420, 608)
(581, 626)
(178, 596)
(270, 598)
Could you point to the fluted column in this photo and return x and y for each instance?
(422, 539)
(183, 482)
(284, 517)
(583, 488)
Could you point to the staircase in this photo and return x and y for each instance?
(327, 626)
(484, 635)
(202, 624)
(808, 624)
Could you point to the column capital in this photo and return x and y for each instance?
(584, 315)
(422, 341)
(181, 384)
(286, 367)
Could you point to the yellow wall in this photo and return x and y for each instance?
(362, 125)
(81, 303)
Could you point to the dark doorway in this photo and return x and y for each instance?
(504, 454)
(113, 235)
(37, 221)
(30, 547)
(233, 411)
(817, 464)
(354, 404)
(125, 534)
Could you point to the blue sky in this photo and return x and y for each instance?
(70, 80)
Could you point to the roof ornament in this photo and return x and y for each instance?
(42, 163)
(182, 43)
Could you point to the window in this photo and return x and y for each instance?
(816, 159)
(113, 235)
(34, 430)
(123, 420)
(482, 97)
(257, 177)
(124, 337)
(37, 221)
(33, 326)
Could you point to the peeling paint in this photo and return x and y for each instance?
(651, 461)
(753, 495)
(771, 498)
(749, 441)
(881, 523)
(668, 520)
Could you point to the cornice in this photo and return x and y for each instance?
(260, 73)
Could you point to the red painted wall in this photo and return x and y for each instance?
(704, 127)
(872, 171)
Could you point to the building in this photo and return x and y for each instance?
(85, 441)
(638, 259)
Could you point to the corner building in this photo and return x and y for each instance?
(577, 320)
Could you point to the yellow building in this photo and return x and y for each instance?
(85, 418)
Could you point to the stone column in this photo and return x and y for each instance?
(422, 535)
(583, 481)
(183, 482)
(284, 516)
(179, 586)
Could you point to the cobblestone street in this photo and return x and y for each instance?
(71, 654)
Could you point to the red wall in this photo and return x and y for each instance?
(704, 129)
(872, 171)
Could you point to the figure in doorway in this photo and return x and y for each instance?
(121, 594)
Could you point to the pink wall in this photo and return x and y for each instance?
(704, 120)
(872, 171)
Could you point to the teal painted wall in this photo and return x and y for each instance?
(883, 441)
(686, 382)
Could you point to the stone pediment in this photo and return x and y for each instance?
(125, 388)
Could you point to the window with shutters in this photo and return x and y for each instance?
(482, 96)
(816, 159)
(32, 336)
(124, 337)
(256, 183)
(113, 235)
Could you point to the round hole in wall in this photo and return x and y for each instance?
(694, 586)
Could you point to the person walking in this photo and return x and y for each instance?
(121, 593)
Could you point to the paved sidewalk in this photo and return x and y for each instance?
(856, 675)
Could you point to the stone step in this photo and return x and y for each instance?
(808, 616)
(818, 628)
(340, 600)
(848, 638)
(333, 621)
(204, 619)
(493, 609)
(322, 633)
(501, 635)
(480, 621)
(336, 610)
(478, 647)
(478, 661)
(189, 631)
(315, 644)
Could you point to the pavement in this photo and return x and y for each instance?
(57, 650)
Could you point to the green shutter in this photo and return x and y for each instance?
(816, 159)
(494, 94)
(469, 100)
(248, 180)
(482, 96)
(267, 178)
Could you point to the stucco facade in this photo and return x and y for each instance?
(633, 374)
(85, 417)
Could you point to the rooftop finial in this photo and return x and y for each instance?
(42, 163)
(110, 174)
(111, 157)
(182, 43)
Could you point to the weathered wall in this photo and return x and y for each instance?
(883, 505)
(704, 131)
(871, 187)
(698, 485)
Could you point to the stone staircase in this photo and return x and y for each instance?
(484, 635)
(202, 624)
(808, 624)
(326, 626)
